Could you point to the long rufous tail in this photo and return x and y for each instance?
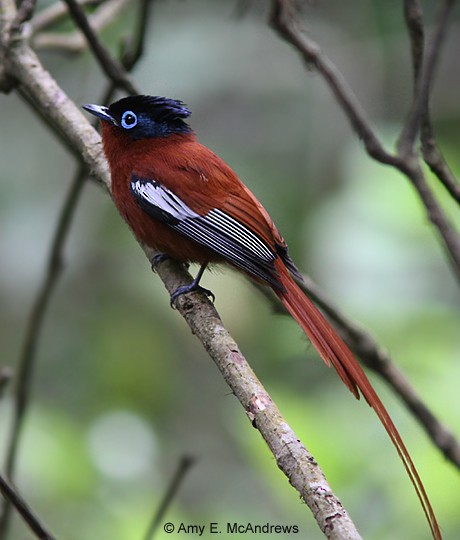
(333, 350)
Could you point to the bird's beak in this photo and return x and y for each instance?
(101, 112)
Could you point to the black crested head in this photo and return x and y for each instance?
(150, 116)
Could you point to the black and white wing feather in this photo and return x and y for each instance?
(216, 230)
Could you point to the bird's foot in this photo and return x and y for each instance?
(189, 288)
(193, 286)
(158, 259)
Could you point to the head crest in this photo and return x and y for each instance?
(159, 109)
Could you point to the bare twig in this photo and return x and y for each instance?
(73, 42)
(111, 67)
(284, 19)
(25, 12)
(291, 456)
(55, 13)
(431, 153)
(24, 510)
(182, 469)
(424, 70)
(22, 392)
(6, 374)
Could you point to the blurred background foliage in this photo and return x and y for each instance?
(122, 389)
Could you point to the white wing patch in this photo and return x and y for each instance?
(217, 230)
(164, 199)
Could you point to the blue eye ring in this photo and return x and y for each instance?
(129, 120)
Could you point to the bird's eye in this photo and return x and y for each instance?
(129, 120)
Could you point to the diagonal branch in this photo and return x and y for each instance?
(34, 524)
(111, 67)
(182, 469)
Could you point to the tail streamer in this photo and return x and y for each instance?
(334, 351)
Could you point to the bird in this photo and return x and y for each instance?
(183, 201)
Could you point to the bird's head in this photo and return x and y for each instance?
(144, 117)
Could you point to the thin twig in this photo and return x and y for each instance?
(22, 393)
(75, 42)
(6, 374)
(111, 67)
(284, 19)
(431, 153)
(34, 523)
(291, 456)
(424, 70)
(182, 469)
(25, 12)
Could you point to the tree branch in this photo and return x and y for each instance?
(24, 510)
(184, 466)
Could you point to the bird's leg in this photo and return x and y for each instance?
(194, 286)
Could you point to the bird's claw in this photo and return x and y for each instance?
(158, 259)
(189, 288)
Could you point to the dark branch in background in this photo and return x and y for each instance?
(24, 510)
(22, 393)
(285, 20)
(6, 374)
(184, 466)
(54, 267)
(111, 67)
(432, 155)
(424, 70)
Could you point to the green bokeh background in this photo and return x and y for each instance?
(122, 389)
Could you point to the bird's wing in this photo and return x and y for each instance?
(216, 229)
